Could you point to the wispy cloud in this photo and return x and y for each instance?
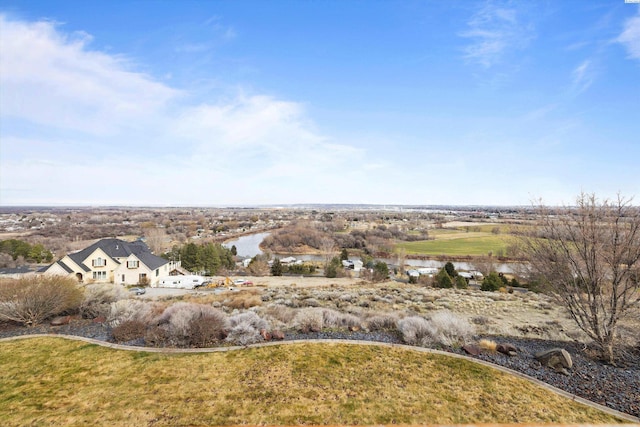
(494, 31)
(630, 36)
(582, 77)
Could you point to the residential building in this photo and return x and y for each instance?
(114, 261)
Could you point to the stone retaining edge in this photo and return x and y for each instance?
(173, 350)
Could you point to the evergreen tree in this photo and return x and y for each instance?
(344, 255)
(451, 270)
(443, 280)
(380, 271)
(461, 282)
(492, 282)
(276, 267)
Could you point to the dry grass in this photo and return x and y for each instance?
(50, 381)
(488, 345)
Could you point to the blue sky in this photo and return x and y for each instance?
(274, 102)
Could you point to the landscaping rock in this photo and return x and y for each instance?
(277, 335)
(100, 319)
(265, 334)
(508, 349)
(558, 359)
(60, 320)
(472, 349)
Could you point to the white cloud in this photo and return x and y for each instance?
(54, 79)
(630, 36)
(91, 118)
(582, 77)
(494, 31)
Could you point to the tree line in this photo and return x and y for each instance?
(209, 258)
(19, 250)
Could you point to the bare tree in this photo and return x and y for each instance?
(328, 248)
(156, 239)
(588, 257)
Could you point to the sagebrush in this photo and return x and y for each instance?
(33, 299)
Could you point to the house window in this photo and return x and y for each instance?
(99, 262)
(142, 277)
(99, 275)
(133, 264)
(157, 272)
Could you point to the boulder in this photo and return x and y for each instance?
(60, 320)
(266, 335)
(508, 349)
(277, 335)
(100, 319)
(471, 349)
(557, 359)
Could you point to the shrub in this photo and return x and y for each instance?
(245, 328)
(443, 280)
(206, 331)
(309, 319)
(128, 310)
(189, 324)
(444, 328)
(461, 282)
(33, 299)
(451, 329)
(243, 301)
(491, 282)
(280, 313)
(382, 322)
(98, 297)
(336, 319)
(129, 330)
(415, 330)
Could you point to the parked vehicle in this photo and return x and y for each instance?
(242, 282)
(138, 291)
(182, 282)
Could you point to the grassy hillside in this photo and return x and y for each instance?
(51, 381)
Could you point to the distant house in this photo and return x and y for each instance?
(16, 272)
(114, 261)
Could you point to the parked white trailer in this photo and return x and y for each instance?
(181, 282)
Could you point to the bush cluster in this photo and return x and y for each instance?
(98, 298)
(444, 328)
(33, 299)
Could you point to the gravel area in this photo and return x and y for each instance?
(617, 387)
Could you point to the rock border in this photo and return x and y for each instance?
(173, 350)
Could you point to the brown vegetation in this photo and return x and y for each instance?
(33, 299)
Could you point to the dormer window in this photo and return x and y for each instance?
(99, 262)
(133, 264)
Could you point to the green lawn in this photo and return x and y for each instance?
(52, 381)
(454, 242)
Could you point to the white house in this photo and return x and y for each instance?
(114, 261)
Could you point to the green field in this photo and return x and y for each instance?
(52, 381)
(459, 243)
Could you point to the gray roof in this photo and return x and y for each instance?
(115, 248)
(16, 270)
(150, 260)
